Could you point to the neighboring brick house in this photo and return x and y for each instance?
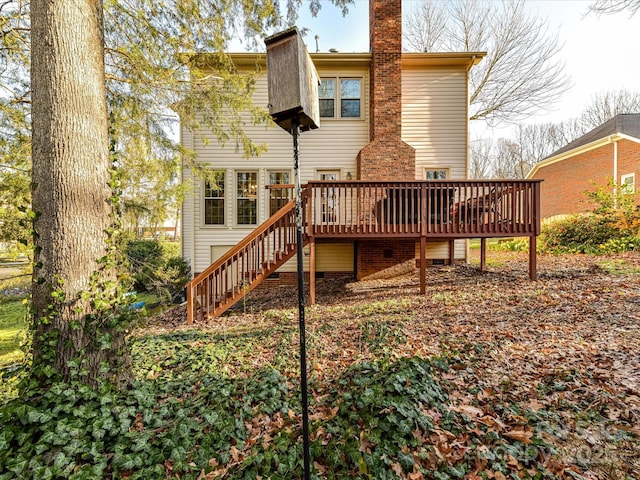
(385, 115)
(608, 152)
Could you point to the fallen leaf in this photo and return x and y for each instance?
(520, 435)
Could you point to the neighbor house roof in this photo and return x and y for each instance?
(622, 126)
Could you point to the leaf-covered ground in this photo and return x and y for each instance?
(488, 375)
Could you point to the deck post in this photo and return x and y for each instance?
(452, 251)
(312, 270)
(533, 239)
(423, 264)
(533, 272)
(190, 303)
(423, 239)
(483, 254)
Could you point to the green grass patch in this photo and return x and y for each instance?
(13, 325)
(619, 267)
(474, 243)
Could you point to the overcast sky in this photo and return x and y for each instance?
(600, 52)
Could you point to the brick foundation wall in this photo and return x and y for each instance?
(565, 182)
(377, 255)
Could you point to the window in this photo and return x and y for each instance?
(214, 200)
(327, 98)
(350, 98)
(628, 182)
(436, 173)
(340, 94)
(246, 201)
(278, 197)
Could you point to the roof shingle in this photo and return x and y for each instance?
(626, 123)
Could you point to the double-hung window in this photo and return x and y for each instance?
(340, 97)
(214, 199)
(246, 198)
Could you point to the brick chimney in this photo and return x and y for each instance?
(386, 157)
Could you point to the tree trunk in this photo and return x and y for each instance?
(71, 192)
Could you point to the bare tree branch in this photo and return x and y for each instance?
(427, 26)
(520, 75)
(609, 7)
(607, 105)
(481, 158)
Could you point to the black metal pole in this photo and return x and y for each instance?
(295, 132)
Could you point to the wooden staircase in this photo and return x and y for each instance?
(243, 267)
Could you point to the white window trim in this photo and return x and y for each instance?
(234, 206)
(225, 203)
(624, 184)
(429, 169)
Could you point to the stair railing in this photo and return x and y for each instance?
(244, 266)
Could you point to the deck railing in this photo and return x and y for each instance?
(438, 209)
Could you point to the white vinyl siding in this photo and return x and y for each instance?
(439, 249)
(330, 257)
(434, 118)
(334, 257)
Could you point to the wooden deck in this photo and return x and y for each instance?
(364, 210)
(414, 209)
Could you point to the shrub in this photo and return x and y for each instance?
(577, 234)
(619, 205)
(171, 278)
(613, 227)
(157, 268)
(589, 233)
(145, 258)
(622, 244)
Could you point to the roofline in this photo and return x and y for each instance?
(467, 59)
(581, 149)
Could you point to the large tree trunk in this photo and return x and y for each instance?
(71, 194)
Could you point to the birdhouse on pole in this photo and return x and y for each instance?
(292, 82)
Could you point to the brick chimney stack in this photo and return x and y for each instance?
(387, 157)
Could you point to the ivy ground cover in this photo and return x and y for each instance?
(487, 376)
